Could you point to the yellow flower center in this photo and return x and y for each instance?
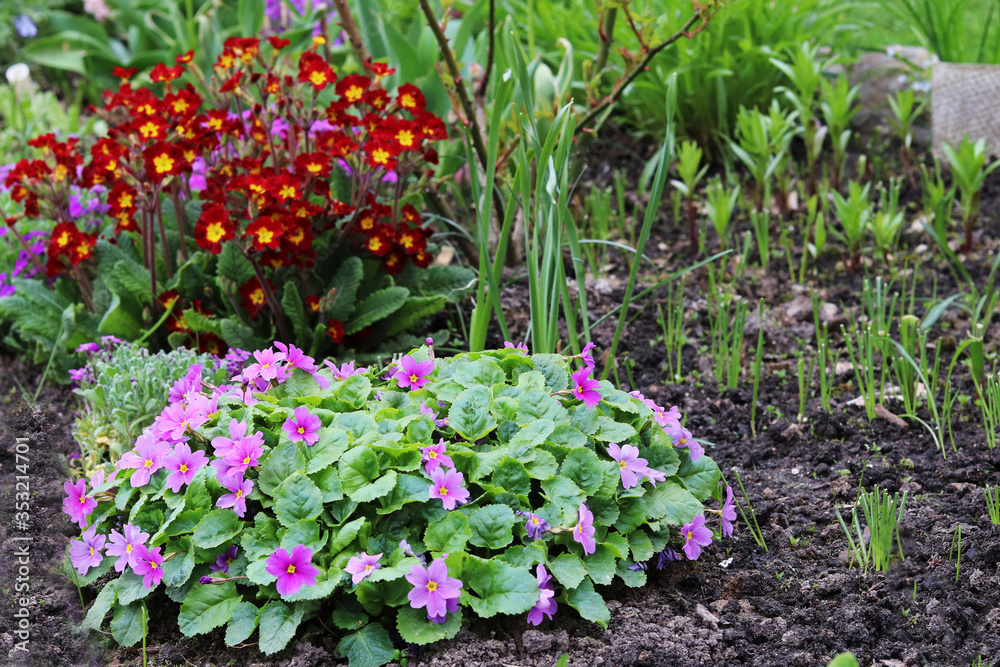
(367, 567)
(301, 430)
(183, 468)
(380, 155)
(291, 569)
(689, 534)
(443, 490)
(414, 378)
(432, 454)
(153, 565)
(83, 500)
(405, 138)
(406, 101)
(91, 551)
(622, 464)
(150, 129)
(287, 192)
(215, 232)
(431, 586)
(354, 93)
(125, 201)
(265, 235)
(257, 298)
(163, 163)
(148, 463)
(317, 78)
(128, 548)
(246, 460)
(239, 493)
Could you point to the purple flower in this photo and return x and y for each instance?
(125, 546)
(584, 530)
(303, 426)
(631, 467)
(187, 386)
(412, 373)
(666, 556)
(588, 358)
(183, 464)
(405, 546)
(451, 604)
(433, 456)
(147, 458)
(206, 580)
(535, 525)
(546, 605)
(293, 570)
(362, 566)
(25, 27)
(239, 489)
(519, 346)
(432, 587)
(76, 503)
(447, 485)
(296, 358)
(224, 560)
(681, 437)
(585, 388)
(728, 513)
(345, 371)
(149, 565)
(665, 418)
(637, 567)
(237, 432)
(696, 536)
(244, 455)
(268, 366)
(85, 553)
(175, 420)
(88, 348)
(424, 410)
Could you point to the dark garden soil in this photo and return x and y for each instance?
(797, 603)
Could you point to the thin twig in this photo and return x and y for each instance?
(351, 28)
(634, 74)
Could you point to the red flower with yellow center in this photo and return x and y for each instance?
(394, 262)
(214, 227)
(253, 296)
(63, 237)
(410, 98)
(312, 303)
(380, 154)
(413, 241)
(335, 331)
(266, 232)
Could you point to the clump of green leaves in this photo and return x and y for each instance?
(906, 108)
(854, 213)
(720, 204)
(691, 172)
(969, 169)
(518, 439)
(882, 513)
(123, 387)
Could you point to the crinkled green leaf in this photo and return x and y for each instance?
(297, 499)
(278, 623)
(217, 527)
(588, 603)
(568, 569)
(492, 526)
(448, 534)
(370, 646)
(242, 623)
(207, 606)
(128, 624)
(498, 587)
(700, 477)
(470, 414)
(414, 627)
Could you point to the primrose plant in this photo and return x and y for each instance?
(410, 498)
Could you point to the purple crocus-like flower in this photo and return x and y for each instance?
(519, 346)
(535, 525)
(182, 464)
(728, 513)
(303, 426)
(432, 587)
(296, 358)
(293, 570)
(76, 503)
(239, 489)
(588, 358)
(224, 560)
(405, 546)
(434, 456)
(124, 546)
(666, 418)
(546, 605)
(447, 485)
(88, 348)
(630, 465)
(244, 455)
(666, 556)
(345, 371)
(25, 27)
(586, 389)
(237, 432)
(175, 420)
(85, 553)
(412, 373)
(268, 366)
(681, 437)
(637, 567)
(584, 530)
(147, 457)
(149, 566)
(361, 567)
(696, 536)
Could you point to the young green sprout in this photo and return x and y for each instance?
(761, 146)
(838, 110)
(887, 222)
(955, 552)
(905, 111)
(882, 513)
(854, 213)
(969, 171)
(691, 172)
(993, 503)
(989, 404)
(755, 532)
(720, 204)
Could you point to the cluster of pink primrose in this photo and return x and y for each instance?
(165, 445)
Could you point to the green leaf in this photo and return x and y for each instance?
(297, 499)
(671, 503)
(585, 469)
(535, 405)
(566, 495)
(844, 659)
(448, 534)
(278, 623)
(207, 606)
(470, 414)
(344, 286)
(177, 570)
(237, 334)
(233, 265)
(414, 311)
(632, 578)
(533, 434)
(553, 368)
(601, 565)
(217, 527)
(128, 625)
(242, 624)
(543, 466)
(291, 304)
(376, 306)
(131, 588)
(370, 646)
(101, 606)
(511, 476)
(641, 546)
(609, 430)
(414, 627)
(346, 535)
(451, 282)
(568, 569)
(588, 603)
(501, 588)
(492, 526)
(278, 465)
(332, 444)
(484, 371)
(700, 477)
(52, 52)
